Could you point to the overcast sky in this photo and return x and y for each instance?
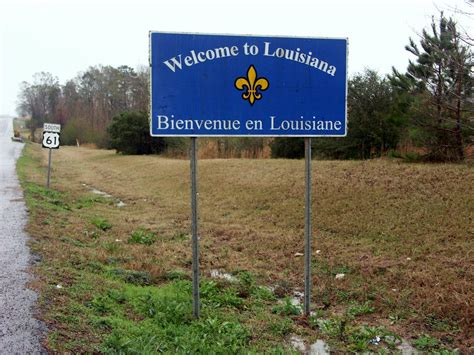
(66, 37)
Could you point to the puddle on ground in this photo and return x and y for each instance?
(321, 348)
(298, 343)
(97, 192)
(406, 348)
(318, 348)
(297, 298)
(103, 194)
(216, 274)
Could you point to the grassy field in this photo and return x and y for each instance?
(117, 279)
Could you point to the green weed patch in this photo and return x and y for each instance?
(101, 223)
(141, 236)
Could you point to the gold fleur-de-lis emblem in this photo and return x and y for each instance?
(252, 85)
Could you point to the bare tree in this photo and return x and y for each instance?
(39, 100)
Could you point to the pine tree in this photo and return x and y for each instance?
(441, 76)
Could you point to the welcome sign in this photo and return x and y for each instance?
(223, 85)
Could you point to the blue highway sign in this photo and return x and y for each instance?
(225, 85)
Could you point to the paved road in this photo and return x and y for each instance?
(19, 331)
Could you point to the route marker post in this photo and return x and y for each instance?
(49, 168)
(51, 134)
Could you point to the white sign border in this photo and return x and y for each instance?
(246, 135)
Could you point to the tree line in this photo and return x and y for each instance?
(428, 109)
(86, 104)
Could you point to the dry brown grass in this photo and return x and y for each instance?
(402, 233)
(211, 149)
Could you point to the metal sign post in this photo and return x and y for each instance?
(194, 227)
(307, 228)
(51, 132)
(49, 168)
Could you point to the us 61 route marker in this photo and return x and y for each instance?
(260, 86)
(50, 140)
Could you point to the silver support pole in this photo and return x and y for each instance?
(49, 168)
(194, 227)
(307, 229)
